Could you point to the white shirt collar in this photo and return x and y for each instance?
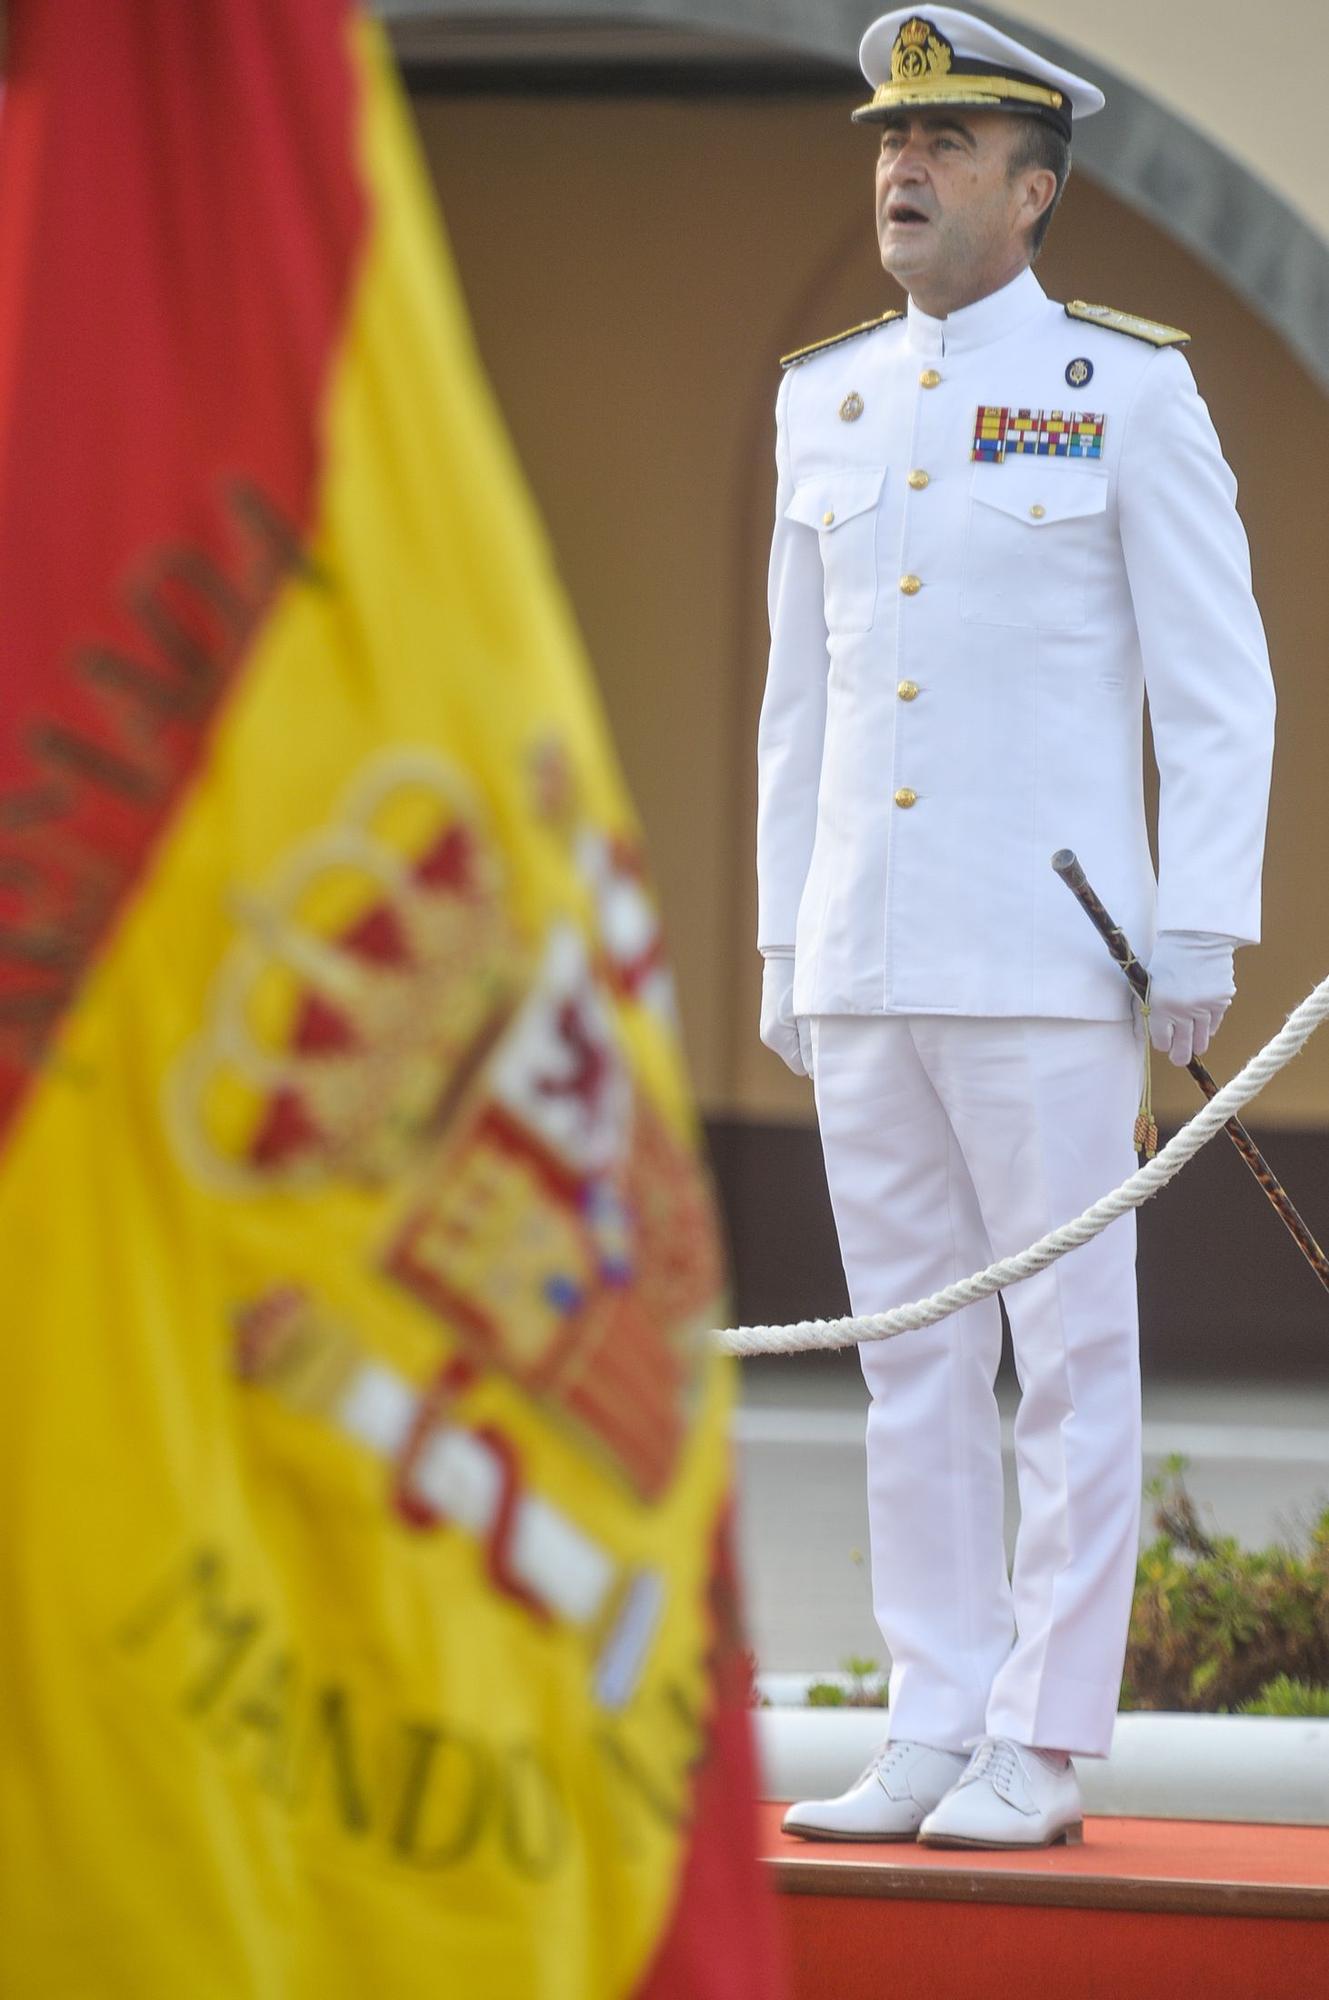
(980, 324)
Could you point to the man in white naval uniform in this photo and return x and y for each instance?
(1000, 521)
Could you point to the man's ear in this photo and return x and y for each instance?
(1040, 191)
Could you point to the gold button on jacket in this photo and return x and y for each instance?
(918, 480)
(929, 378)
(911, 585)
(905, 798)
(908, 690)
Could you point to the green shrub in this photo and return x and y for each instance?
(1215, 1627)
(1283, 1696)
(866, 1687)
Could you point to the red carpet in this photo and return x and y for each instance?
(1144, 1910)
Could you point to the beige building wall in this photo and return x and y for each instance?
(634, 269)
(1250, 79)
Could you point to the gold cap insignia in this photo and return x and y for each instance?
(852, 408)
(919, 51)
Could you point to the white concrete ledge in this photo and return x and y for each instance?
(1264, 1769)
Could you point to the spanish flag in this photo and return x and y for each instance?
(365, 1619)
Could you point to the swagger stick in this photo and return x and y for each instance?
(1073, 875)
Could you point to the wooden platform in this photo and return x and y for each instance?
(1144, 1910)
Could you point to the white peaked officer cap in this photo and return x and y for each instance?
(939, 55)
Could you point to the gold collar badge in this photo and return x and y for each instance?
(919, 51)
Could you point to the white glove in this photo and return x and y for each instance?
(1190, 989)
(779, 1030)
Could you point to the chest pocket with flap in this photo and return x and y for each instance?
(1030, 532)
(841, 504)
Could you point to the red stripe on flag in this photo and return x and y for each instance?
(721, 1942)
(180, 217)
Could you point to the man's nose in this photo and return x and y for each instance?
(904, 168)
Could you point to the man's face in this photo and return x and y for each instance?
(952, 222)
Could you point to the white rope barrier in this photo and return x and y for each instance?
(808, 1334)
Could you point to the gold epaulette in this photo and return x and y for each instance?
(834, 340)
(1151, 330)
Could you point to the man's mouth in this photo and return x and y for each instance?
(905, 214)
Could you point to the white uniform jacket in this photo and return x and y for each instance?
(960, 647)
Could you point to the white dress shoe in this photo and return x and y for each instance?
(901, 1784)
(1007, 1797)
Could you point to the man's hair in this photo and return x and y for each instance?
(1038, 144)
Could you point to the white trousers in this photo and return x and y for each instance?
(949, 1142)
